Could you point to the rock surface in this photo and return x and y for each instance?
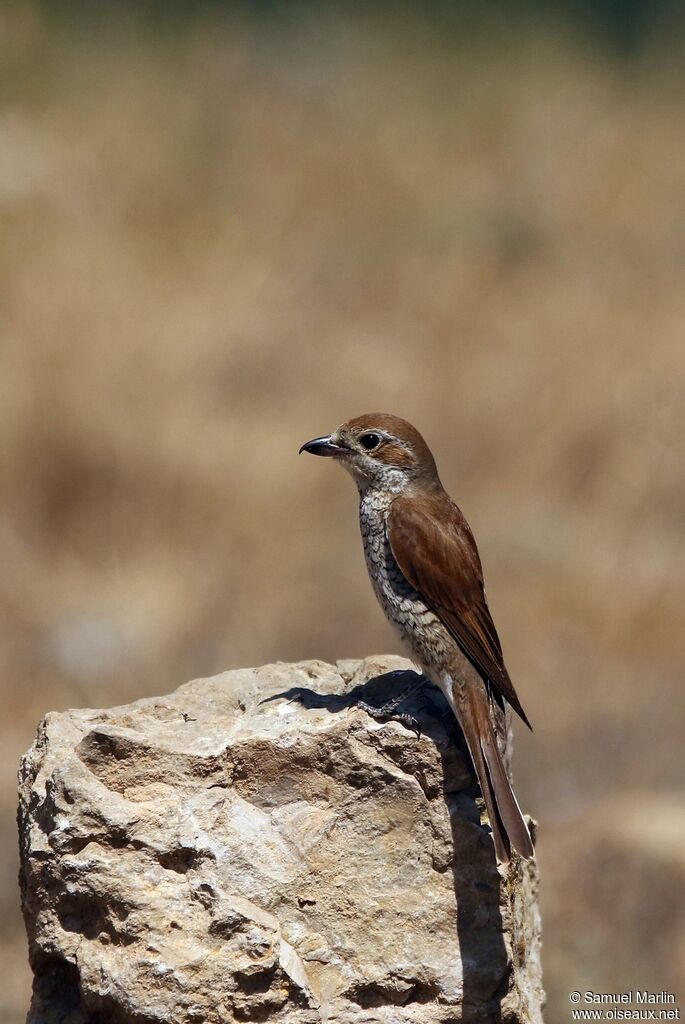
(214, 857)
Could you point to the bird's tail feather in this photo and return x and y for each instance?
(509, 829)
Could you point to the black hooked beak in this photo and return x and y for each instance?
(322, 446)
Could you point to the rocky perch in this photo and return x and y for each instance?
(225, 854)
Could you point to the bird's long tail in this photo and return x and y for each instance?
(509, 830)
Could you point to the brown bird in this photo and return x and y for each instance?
(427, 575)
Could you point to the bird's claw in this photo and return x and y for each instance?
(389, 711)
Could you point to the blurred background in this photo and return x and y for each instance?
(224, 230)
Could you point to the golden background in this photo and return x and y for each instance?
(223, 234)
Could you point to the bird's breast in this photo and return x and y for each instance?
(420, 629)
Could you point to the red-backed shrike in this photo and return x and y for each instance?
(426, 573)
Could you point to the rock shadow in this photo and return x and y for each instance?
(479, 925)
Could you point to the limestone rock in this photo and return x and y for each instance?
(217, 856)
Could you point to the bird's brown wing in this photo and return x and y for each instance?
(435, 550)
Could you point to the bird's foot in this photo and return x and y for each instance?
(391, 709)
(388, 713)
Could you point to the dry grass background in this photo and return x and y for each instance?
(222, 239)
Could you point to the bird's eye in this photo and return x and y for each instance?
(370, 441)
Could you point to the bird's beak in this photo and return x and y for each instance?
(323, 446)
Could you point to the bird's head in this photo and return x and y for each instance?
(379, 451)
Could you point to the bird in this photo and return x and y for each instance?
(426, 573)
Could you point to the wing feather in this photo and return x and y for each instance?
(436, 552)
